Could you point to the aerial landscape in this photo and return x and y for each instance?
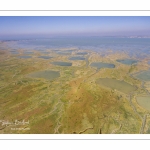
(74, 75)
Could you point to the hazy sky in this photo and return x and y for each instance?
(61, 26)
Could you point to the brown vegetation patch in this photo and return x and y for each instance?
(22, 94)
(74, 85)
(19, 96)
(28, 70)
(101, 107)
(36, 112)
(44, 126)
(20, 107)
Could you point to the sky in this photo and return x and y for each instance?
(48, 26)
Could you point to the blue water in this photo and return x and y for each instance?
(127, 61)
(25, 57)
(100, 65)
(26, 52)
(14, 52)
(144, 76)
(61, 63)
(63, 53)
(82, 53)
(77, 58)
(45, 57)
(134, 47)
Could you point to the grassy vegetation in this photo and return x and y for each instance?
(71, 103)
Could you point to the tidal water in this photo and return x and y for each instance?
(46, 74)
(45, 57)
(25, 57)
(134, 47)
(77, 58)
(61, 63)
(100, 65)
(127, 61)
(116, 84)
(144, 101)
(144, 76)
